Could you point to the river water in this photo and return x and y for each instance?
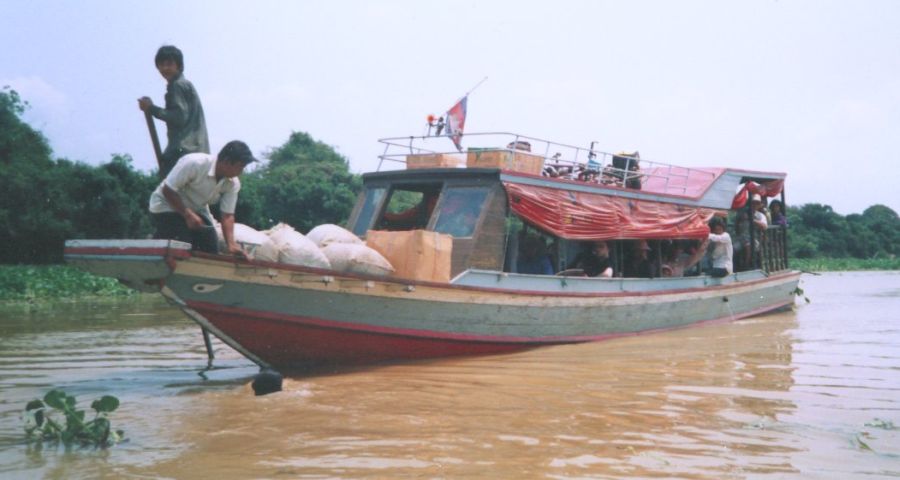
(808, 393)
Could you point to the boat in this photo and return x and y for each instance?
(290, 317)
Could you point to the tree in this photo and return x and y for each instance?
(884, 224)
(828, 228)
(304, 184)
(817, 231)
(24, 158)
(47, 201)
(19, 143)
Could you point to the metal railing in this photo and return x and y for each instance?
(567, 162)
(774, 249)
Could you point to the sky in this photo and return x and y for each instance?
(810, 88)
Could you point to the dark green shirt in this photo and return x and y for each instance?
(185, 123)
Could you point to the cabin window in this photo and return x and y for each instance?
(459, 210)
(409, 207)
(370, 206)
(529, 250)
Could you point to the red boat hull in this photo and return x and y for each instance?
(298, 342)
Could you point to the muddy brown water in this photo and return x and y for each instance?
(808, 393)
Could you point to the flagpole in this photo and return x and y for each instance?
(471, 90)
(476, 86)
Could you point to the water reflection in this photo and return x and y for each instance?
(785, 395)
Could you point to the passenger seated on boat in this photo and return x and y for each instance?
(533, 258)
(722, 251)
(639, 264)
(594, 261)
(777, 211)
(678, 261)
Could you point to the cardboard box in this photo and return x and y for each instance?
(433, 160)
(415, 254)
(516, 161)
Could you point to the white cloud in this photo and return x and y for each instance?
(40, 94)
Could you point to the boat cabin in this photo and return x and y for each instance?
(502, 205)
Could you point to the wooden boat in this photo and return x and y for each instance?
(286, 317)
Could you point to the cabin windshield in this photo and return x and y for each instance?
(369, 208)
(459, 210)
(409, 207)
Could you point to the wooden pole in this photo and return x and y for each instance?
(151, 127)
(157, 150)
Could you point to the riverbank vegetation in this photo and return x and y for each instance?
(304, 183)
(844, 264)
(28, 283)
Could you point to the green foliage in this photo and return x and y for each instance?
(19, 142)
(43, 425)
(47, 201)
(305, 183)
(403, 200)
(817, 232)
(844, 264)
(30, 283)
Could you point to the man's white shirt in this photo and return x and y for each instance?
(194, 178)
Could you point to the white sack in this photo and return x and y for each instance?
(295, 249)
(326, 234)
(357, 258)
(256, 243)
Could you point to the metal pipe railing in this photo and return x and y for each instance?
(598, 167)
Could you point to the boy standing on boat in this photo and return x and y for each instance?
(179, 206)
(722, 251)
(185, 123)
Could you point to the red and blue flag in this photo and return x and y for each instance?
(456, 122)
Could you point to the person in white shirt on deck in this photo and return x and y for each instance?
(179, 206)
(722, 251)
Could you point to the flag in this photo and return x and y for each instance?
(456, 122)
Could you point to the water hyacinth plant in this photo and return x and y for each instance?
(42, 423)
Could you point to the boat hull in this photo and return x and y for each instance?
(291, 318)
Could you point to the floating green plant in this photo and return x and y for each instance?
(799, 293)
(43, 425)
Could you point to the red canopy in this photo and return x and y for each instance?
(765, 189)
(591, 216)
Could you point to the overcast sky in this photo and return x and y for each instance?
(811, 88)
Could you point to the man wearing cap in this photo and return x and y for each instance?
(759, 217)
(179, 206)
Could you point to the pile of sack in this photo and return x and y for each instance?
(326, 246)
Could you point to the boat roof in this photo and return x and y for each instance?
(568, 168)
